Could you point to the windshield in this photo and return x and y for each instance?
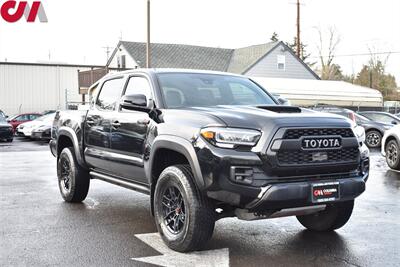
(205, 90)
(2, 119)
(46, 118)
(361, 118)
(381, 117)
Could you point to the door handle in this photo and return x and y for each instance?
(143, 121)
(116, 124)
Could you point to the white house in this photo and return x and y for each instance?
(274, 60)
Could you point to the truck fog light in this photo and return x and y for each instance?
(242, 175)
(365, 167)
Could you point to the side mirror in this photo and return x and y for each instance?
(136, 102)
(394, 122)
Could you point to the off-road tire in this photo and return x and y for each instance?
(332, 218)
(373, 139)
(199, 219)
(392, 151)
(78, 177)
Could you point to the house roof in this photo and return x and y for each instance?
(200, 57)
(244, 58)
(180, 56)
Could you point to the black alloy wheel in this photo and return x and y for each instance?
(373, 139)
(65, 179)
(392, 154)
(174, 210)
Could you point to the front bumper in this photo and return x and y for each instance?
(24, 132)
(260, 189)
(6, 133)
(289, 195)
(43, 135)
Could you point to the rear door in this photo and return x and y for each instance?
(128, 134)
(98, 124)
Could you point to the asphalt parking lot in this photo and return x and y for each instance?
(113, 226)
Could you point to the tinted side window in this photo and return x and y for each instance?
(381, 118)
(110, 94)
(138, 85)
(34, 116)
(22, 118)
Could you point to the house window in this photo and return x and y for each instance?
(121, 62)
(281, 59)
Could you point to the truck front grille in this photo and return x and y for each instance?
(301, 157)
(297, 133)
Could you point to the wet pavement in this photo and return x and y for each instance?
(38, 229)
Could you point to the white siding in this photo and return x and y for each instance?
(129, 61)
(35, 88)
(268, 66)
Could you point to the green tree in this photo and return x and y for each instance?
(327, 50)
(274, 37)
(304, 55)
(373, 75)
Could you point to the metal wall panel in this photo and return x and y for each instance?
(36, 88)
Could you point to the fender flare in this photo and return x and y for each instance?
(68, 132)
(180, 145)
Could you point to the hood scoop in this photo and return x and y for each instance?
(281, 109)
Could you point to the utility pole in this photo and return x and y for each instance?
(148, 51)
(298, 28)
(108, 50)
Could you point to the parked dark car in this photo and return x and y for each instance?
(373, 130)
(6, 130)
(336, 110)
(210, 145)
(42, 133)
(383, 117)
(21, 118)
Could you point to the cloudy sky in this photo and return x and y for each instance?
(78, 31)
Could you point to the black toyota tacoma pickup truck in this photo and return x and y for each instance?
(208, 145)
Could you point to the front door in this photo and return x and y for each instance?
(98, 125)
(129, 131)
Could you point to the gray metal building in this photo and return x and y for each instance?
(31, 87)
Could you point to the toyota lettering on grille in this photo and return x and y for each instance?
(322, 143)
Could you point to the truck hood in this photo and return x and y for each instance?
(269, 116)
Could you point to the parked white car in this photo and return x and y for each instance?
(25, 129)
(391, 147)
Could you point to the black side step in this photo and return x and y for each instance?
(121, 182)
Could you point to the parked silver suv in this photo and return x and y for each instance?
(391, 147)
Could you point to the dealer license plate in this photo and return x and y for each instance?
(325, 192)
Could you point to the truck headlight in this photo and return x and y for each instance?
(230, 137)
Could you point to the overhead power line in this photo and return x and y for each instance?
(363, 54)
